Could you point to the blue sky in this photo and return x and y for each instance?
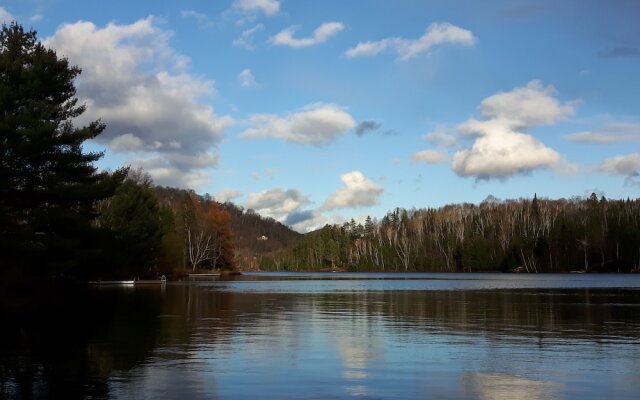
(314, 112)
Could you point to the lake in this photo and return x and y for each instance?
(328, 336)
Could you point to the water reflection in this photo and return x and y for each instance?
(228, 340)
(495, 386)
(67, 343)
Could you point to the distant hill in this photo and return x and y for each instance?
(256, 239)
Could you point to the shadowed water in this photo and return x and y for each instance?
(319, 336)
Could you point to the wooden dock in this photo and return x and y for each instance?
(112, 283)
(128, 283)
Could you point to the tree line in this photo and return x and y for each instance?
(525, 235)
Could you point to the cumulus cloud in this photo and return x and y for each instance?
(366, 127)
(526, 106)
(440, 137)
(164, 172)
(246, 37)
(5, 16)
(625, 165)
(614, 132)
(429, 157)
(320, 35)
(503, 154)
(267, 7)
(138, 85)
(500, 149)
(436, 34)
(277, 203)
(227, 194)
(289, 208)
(246, 78)
(357, 191)
(316, 124)
(203, 20)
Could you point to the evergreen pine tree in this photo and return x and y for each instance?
(134, 217)
(48, 184)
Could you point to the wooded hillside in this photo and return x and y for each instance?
(528, 235)
(209, 234)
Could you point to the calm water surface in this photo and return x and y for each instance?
(319, 336)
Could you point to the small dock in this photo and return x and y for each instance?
(112, 283)
(150, 282)
(129, 283)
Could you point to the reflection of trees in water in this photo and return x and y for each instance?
(65, 343)
(591, 314)
(564, 314)
(68, 343)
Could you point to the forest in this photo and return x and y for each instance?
(525, 235)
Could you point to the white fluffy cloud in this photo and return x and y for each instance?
(5, 16)
(165, 173)
(436, 34)
(503, 154)
(358, 191)
(626, 165)
(246, 78)
(289, 208)
(227, 194)
(316, 124)
(614, 132)
(138, 85)
(500, 149)
(277, 203)
(526, 106)
(320, 35)
(429, 157)
(267, 7)
(246, 37)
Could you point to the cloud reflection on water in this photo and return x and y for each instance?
(502, 386)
